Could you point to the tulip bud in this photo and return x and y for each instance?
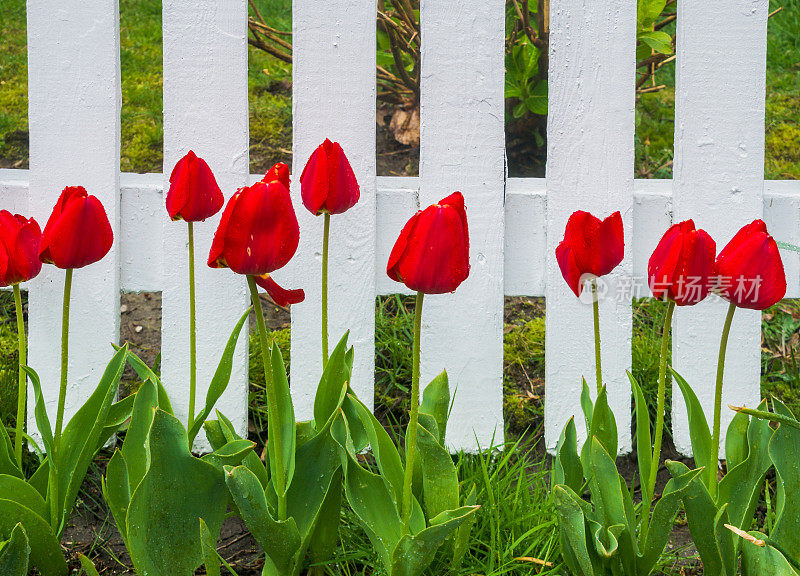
(19, 248)
(682, 264)
(591, 248)
(749, 270)
(328, 183)
(258, 232)
(193, 191)
(78, 232)
(432, 253)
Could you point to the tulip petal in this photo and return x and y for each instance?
(279, 172)
(281, 296)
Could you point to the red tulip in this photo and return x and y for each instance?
(19, 248)
(681, 266)
(77, 233)
(279, 172)
(749, 270)
(591, 247)
(432, 253)
(328, 183)
(280, 296)
(193, 191)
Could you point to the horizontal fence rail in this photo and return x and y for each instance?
(525, 256)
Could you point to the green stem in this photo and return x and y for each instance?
(274, 438)
(723, 346)
(62, 392)
(192, 330)
(325, 237)
(647, 497)
(23, 380)
(411, 443)
(596, 309)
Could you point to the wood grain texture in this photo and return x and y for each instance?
(205, 110)
(589, 167)
(718, 182)
(462, 148)
(74, 121)
(334, 97)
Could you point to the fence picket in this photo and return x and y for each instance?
(206, 110)
(589, 167)
(462, 148)
(334, 97)
(74, 122)
(718, 181)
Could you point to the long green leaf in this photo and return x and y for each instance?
(436, 402)
(644, 442)
(134, 449)
(45, 549)
(284, 420)
(222, 376)
(14, 553)
(699, 432)
(117, 492)
(329, 391)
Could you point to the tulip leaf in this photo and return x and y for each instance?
(231, 454)
(43, 425)
(16, 489)
(284, 421)
(222, 377)
(574, 547)
(462, 537)
(413, 554)
(439, 476)
(663, 519)
(279, 540)
(223, 429)
(699, 432)
(714, 545)
(45, 549)
(88, 566)
(436, 402)
(8, 464)
(118, 416)
(329, 392)
(14, 553)
(567, 468)
(736, 445)
(117, 492)
(644, 442)
(82, 434)
(603, 427)
(210, 555)
(742, 486)
(370, 499)
(177, 490)
(134, 449)
(604, 484)
(783, 452)
(325, 538)
(763, 560)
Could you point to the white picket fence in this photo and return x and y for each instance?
(515, 224)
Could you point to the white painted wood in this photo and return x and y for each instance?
(718, 181)
(74, 105)
(589, 167)
(142, 226)
(205, 110)
(396, 204)
(525, 236)
(463, 148)
(782, 216)
(334, 97)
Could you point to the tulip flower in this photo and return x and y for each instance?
(76, 234)
(679, 271)
(193, 196)
(681, 266)
(327, 186)
(193, 192)
(258, 234)
(748, 274)
(19, 261)
(431, 256)
(591, 248)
